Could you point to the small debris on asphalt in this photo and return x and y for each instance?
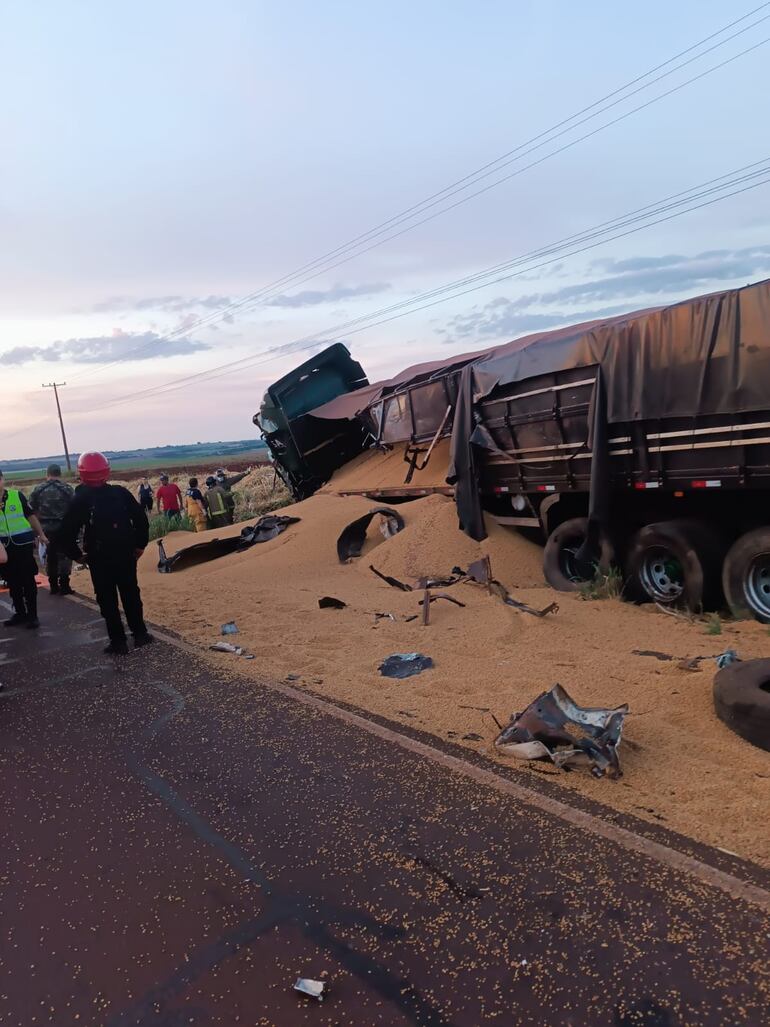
(405, 665)
(226, 647)
(315, 989)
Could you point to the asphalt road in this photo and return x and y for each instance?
(179, 846)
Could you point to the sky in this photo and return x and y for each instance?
(159, 162)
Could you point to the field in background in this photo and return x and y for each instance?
(181, 466)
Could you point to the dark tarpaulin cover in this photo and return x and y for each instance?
(351, 404)
(708, 355)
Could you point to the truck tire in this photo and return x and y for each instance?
(746, 576)
(675, 563)
(742, 700)
(563, 543)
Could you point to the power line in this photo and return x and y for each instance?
(748, 177)
(380, 232)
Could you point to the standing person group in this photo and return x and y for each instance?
(214, 508)
(114, 532)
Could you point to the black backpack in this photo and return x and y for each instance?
(110, 527)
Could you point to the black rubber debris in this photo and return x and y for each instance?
(351, 541)
(405, 665)
(202, 552)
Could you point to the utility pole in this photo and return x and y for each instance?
(56, 386)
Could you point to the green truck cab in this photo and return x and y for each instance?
(307, 450)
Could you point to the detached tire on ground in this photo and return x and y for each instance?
(746, 576)
(559, 564)
(742, 700)
(675, 563)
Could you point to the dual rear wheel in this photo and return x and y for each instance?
(674, 563)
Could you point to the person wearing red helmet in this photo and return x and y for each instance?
(116, 534)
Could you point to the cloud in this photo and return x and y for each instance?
(103, 348)
(312, 298)
(622, 285)
(163, 304)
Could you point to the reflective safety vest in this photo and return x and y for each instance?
(216, 502)
(14, 526)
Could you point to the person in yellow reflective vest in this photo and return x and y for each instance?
(18, 528)
(195, 507)
(217, 503)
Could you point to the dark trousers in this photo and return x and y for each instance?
(20, 573)
(115, 576)
(57, 565)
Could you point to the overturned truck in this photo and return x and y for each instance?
(639, 442)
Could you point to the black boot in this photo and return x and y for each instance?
(32, 621)
(53, 586)
(145, 639)
(116, 648)
(16, 620)
(64, 587)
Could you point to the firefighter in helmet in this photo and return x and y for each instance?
(116, 533)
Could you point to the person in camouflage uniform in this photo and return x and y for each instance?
(50, 501)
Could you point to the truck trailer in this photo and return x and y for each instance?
(639, 442)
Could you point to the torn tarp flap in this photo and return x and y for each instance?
(267, 527)
(351, 541)
(554, 727)
(190, 556)
(201, 552)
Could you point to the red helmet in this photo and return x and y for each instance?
(93, 468)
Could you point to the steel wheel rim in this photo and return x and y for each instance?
(662, 575)
(757, 585)
(568, 563)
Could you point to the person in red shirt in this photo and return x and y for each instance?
(169, 498)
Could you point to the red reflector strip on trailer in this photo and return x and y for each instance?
(710, 484)
(546, 488)
(647, 485)
(502, 488)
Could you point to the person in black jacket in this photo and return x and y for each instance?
(116, 534)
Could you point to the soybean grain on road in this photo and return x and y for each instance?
(179, 846)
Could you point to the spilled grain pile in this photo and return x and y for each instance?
(377, 469)
(681, 763)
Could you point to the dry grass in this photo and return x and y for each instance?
(260, 492)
